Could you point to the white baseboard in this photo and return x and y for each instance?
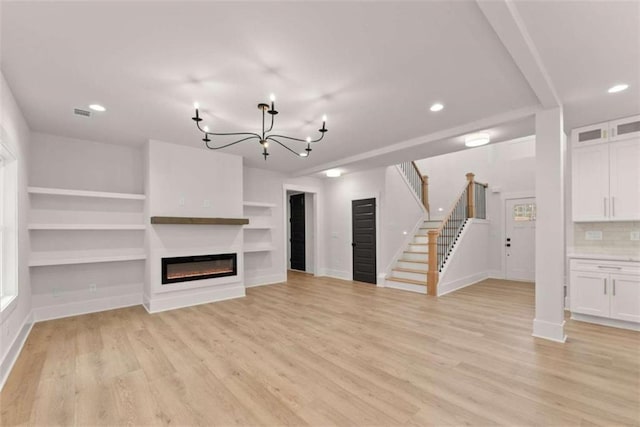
(463, 282)
(495, 274)
(168, 301)
(549, 330)
(50, 312)
(615, 323)
(250, 282)
(337, 274)
(6, 365)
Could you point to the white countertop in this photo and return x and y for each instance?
(580, 253)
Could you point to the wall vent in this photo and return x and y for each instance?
(82, 113)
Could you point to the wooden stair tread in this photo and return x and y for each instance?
(415, 252)
(410, 270)
(417, 262)
(409, 281)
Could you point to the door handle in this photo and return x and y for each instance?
(614, 287)
(508, 245)
(605, 286)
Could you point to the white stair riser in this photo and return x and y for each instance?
(417, 248)
(432, 224)
(412, 265)
(406, 286)
(421, 277)
(415, 257)
(420, 239)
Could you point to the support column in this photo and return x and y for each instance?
(550, 243)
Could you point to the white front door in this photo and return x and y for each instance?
(520, 239)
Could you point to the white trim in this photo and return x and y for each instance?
(84, 193)
(50, 312)
(316, 223)
(14, 349)
(250, 282)
(338, 274)
(463, 282)
(406, 287)
(549, 330)
(615, 323)
(164, 302)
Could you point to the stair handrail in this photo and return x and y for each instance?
(418, 182)
(469, 204)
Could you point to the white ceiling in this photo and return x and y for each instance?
(373, 68)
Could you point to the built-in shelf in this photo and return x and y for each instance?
(84, 193)
(259, 204)
(86, 226)
(67, 258)
(258, 248)
(198, 221)
(258, 227)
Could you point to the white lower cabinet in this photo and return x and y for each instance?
(605, 289)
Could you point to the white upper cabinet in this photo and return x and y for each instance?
(589, 135)
(590, 195)
(624, 129)
(624, 180)
(606, 171)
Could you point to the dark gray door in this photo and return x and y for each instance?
(363, 218)
(297, 240)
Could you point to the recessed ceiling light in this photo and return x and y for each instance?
(436, 107)
(618, 88)
(97, 107)
(477, 139)
(333, 173)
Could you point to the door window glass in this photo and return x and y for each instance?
(524, 212)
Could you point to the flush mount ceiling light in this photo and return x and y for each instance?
(436, 107)
(477, 139)
(97, 107)
(618, 88)
(333, 173)
(264, 137)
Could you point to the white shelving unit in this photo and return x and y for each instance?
(257, 234)
(57, 209)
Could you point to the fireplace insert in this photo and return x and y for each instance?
(199, 267)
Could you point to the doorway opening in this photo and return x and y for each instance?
(301, 231)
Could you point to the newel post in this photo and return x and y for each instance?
(425, 192)
(471, 208)
(432, 271)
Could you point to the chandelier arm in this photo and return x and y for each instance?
(232, 143)
(226, 134)
(272, 120)
(299, 140)
(281, 144)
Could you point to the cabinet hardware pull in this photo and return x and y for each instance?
(610, 266)
(613, 206)
(605, 286)
(614, 287)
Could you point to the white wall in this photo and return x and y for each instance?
(397, 212)
(191, 182)
(15, 320)
(508, 168)
(60, 162)
(266, 186)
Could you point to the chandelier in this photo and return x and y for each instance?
(263, 138)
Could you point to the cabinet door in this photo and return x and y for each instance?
(624, 129)
(590, 183)
(624, 173)
(590, 293)
(625, 297)
(589, 135)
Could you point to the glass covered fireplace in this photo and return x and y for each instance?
(199, 267)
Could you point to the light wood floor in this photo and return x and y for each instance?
(326, 352)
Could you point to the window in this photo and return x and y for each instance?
(524, 212)
(8, 226)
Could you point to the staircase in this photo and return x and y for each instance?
(418, 268)
(410, 270)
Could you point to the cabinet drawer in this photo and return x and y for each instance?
(622, 267)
